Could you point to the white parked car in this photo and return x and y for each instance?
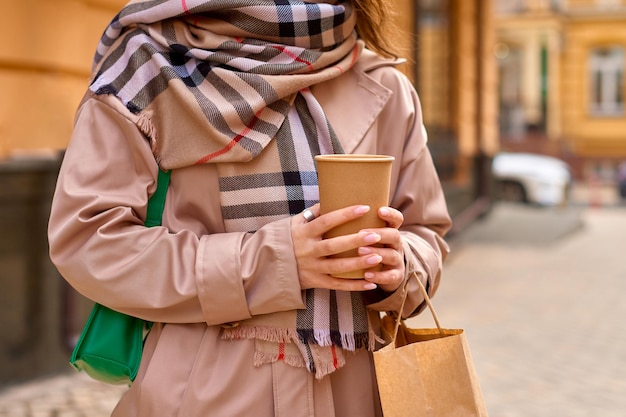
(531, 178)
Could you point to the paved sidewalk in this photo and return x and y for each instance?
(543, 310)
(539, 293)
(68, 395)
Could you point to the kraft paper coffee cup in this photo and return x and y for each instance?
(347, 180)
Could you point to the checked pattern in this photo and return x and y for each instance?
(227, 82)
(220, 66)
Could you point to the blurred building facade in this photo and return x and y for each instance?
(456, 77)
(45, 59)
(561, 80)
(45, 68)
(45, 62)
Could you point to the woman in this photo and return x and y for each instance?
(235, 97)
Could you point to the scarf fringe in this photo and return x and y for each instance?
(319, 369)
(347, 341)
(322, 337)
(372, 339)
(270, 334)
(325, 368)
(145, 125)
(263, 358)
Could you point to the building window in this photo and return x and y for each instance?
(606, 67)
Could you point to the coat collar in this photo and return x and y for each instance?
(353, 101)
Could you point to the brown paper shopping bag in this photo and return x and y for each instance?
(427, 372)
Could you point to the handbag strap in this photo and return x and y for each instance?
(156, 203)
(426, 299)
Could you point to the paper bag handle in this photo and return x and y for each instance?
(426, 299)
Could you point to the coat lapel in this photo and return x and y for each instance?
(362, 99)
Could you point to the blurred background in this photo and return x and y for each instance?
(524, 104)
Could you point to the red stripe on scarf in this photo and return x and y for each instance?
(334, 352)
(232, 143)
(185, 8)
(294, 56)
(355, 54)
(281, 351)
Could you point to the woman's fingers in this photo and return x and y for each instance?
(393, 217)
(392, 273)
(381, 246)
(390, 251)
(313, 212)
(339, 244)
(308, 235)
(340, 284)
(335, 218)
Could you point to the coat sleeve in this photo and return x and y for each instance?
(416, 192)
(100, 246)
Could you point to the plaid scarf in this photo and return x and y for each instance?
(227, 82)
(213, 80)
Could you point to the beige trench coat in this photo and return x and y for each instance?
(189, 277)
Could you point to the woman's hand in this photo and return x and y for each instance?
(391, 252)
(312, 251)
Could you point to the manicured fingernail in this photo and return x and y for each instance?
(361, 209)
(370, 286)
(384, 211)
(365, 250)
(372, 238)
(374, 259)
(369, 275)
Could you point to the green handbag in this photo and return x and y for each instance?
(111, 344)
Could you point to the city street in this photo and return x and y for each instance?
(538, 84)
(539, 294)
